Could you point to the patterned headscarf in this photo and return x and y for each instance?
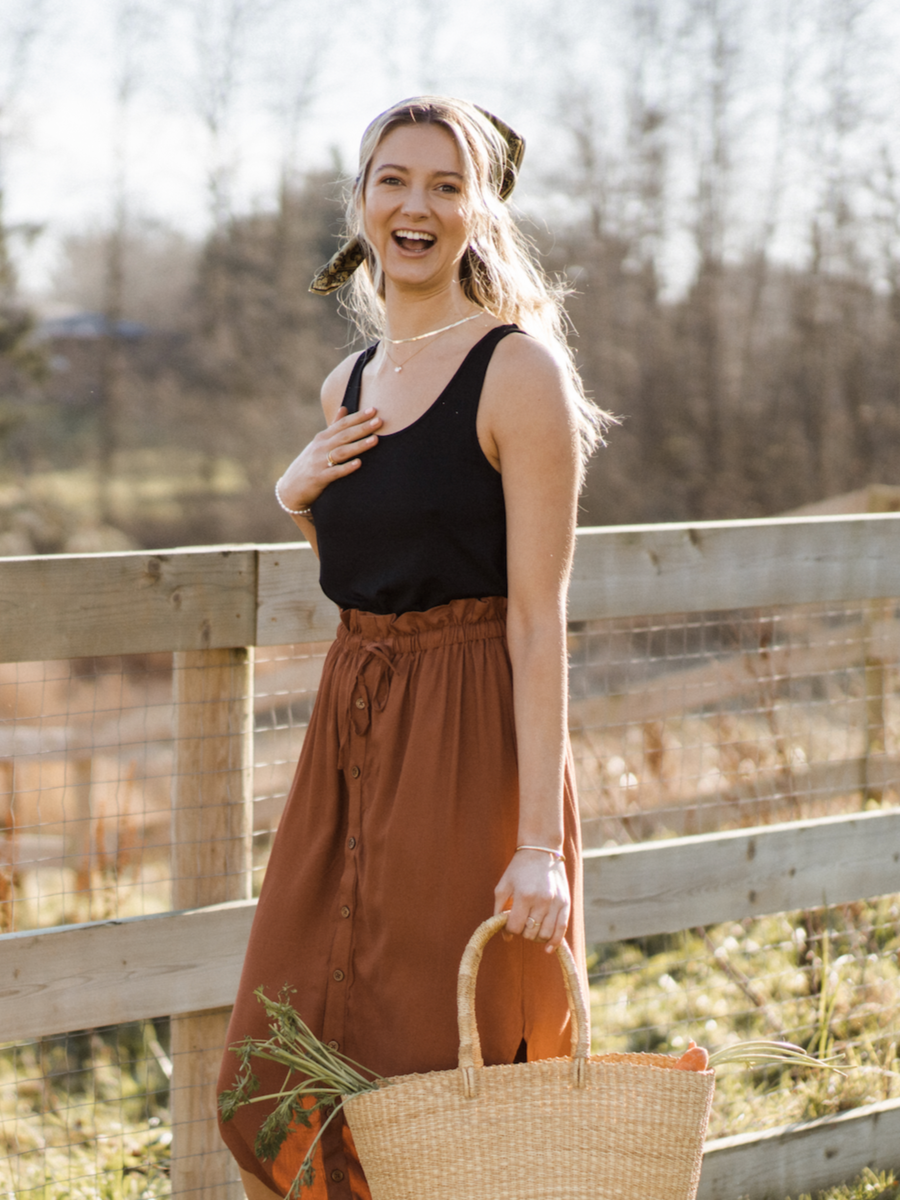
(351, 255)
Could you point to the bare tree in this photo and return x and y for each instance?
(21, 24)
(786, 38)
(132, 27)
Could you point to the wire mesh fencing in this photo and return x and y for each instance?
(680, 725)
(86, 767)
(690, 724)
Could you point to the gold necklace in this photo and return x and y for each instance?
(397, 369)
(433, 332)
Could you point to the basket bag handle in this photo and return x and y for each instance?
(470, 1059)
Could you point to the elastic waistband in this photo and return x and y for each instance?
(449, 624)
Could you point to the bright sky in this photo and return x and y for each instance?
(60, 159)
(529, 60)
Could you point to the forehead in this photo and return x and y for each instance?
(419, 147)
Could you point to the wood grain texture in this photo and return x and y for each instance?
(212, 787)
(202, 1167)
(212, 828)
(663, 887)
(802, 1159)
(634, 570)
(70, 606)
(110, 972)
(75, 605)
(292, 606)
(107, 972)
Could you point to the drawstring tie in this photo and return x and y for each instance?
(371, 685)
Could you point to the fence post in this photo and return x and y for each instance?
(212, 826)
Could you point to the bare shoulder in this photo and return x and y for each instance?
(525, 379)
(334, 387)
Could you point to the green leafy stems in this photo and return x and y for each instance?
(326, 1079)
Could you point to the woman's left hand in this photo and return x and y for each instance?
(535, 890)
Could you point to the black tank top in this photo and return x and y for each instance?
(422, 521)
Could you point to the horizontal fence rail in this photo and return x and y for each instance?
(107, 972)
(66, 606)
(211, 606)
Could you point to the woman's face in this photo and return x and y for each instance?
(415, 213)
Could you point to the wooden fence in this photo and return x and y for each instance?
(212, 606)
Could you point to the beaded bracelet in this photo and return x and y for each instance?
(557, 854)
(306, 511)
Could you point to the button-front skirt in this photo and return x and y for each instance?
(400, 821)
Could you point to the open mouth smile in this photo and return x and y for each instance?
(415, 241)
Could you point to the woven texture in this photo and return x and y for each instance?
(623, 1126)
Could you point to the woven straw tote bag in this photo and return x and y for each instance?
(604, 1127)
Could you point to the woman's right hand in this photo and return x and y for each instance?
(331, 454)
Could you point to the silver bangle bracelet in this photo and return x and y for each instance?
(306, 511)
(557, 854)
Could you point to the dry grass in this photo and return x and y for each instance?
(84, 1117)
(869, 1186)
(828, 980)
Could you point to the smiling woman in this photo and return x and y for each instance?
(415, 214)
(435, 783)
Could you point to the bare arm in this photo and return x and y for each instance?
(531, 431)
(344, 439)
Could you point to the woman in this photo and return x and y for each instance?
(434, 785)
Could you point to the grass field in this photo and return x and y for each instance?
(828, 980)
(86, 1117)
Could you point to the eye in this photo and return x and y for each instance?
(449, 189)
(390, 180)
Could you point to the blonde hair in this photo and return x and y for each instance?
(499, 271)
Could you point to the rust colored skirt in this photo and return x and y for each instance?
(401, 819)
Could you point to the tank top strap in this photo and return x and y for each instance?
(469, 379)
(354, 383)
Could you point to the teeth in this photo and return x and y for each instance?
(411, 235)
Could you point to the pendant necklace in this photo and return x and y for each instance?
(420, 336)
(397, 369)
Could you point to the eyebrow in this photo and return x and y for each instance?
(400, 167)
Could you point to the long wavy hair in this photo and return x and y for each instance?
(499, 270)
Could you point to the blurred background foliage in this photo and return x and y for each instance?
(719, 187)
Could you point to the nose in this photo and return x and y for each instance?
(415, 201)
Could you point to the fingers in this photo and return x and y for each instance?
(537, 898)
(501, 904)
(558, 929)
(543, 921)
(349, 436)
(546, 928)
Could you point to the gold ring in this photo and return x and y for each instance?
(331, 461)
(531, 921)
